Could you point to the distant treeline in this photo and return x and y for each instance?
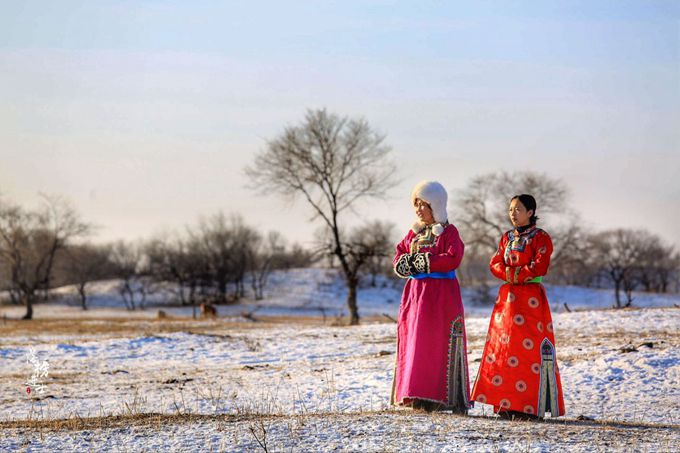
(222, 259)
(625, 260)
(213, 261)
(218, 260)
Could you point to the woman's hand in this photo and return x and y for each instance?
(420, 263)
(402, 266)
(412, 264)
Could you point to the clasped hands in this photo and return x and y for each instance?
(410, 264)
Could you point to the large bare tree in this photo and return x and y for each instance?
(483, 204)
(332, 162)
(30, 241)
(482, 216)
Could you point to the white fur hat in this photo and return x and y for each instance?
(434, 194)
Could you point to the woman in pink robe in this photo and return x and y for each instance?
(431, 369)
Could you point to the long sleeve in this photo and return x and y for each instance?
(497, 264)
(402, 247)
(452, 256)
(400, 262)
(538, 267)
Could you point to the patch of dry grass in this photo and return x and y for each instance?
(113, 327)
(77, 423)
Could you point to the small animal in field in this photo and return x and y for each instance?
(162, 314)
(208, 310)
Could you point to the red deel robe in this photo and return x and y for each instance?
(519, 369)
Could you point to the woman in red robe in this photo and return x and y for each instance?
(518, 374)
(431, 371)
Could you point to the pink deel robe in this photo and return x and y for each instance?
(431, 361)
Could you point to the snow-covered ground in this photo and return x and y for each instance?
(314, 387)
(294, 368)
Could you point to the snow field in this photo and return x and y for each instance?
(617, 366)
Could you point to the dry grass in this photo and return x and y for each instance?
(108, 327)
(77, 423)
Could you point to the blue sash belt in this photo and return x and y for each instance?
(445, 275)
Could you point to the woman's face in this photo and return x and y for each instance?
(519, 216)
(423, 211)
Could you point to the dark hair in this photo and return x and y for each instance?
(529, 203)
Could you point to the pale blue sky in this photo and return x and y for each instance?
(144, 113)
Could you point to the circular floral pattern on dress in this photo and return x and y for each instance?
(521, 386)
(533, 302)
(536, 368)
(518, 319)
(490, 358)
(513, 361)
(504, 403)
(497, 380)
(528, 409)
(481, 398)
(528, 343)
(504, 339)
(549, 326)
(511, 297)
(514, 258)
(539, 326)
(542, 250)
(498, 317)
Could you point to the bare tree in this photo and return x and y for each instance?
(364, 245)
(483, 204)
(332, 162)
(178, 261)
(482, 218)
(86, 263)
(225, 243)
(378, 237)
(210, 263)
(30, 241)
(658, 263)
(573, 262)
(675, 272)
(619, 254)
(263, 257)
(126, 259)
(296, 256)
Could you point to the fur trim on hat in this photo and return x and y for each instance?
(434, 194)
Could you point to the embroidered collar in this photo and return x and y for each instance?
(526, 229)
(517, 240)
